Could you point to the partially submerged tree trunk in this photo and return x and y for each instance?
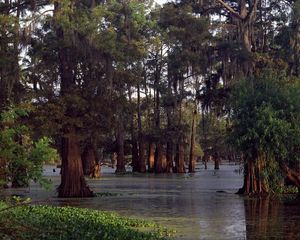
(158, 162)
(217, 161)
(120, 147)
(205, 160)
(73, 183)
(134, 141)
(179, 161)
(96, 171)
(192, 160)
(89, 159)
(135, 154)
(142, 156)
(253, 182)
(151, 156)
(169, 157)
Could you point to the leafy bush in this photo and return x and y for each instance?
(21, 158)
(47, 222)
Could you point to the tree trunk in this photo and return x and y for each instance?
(73, 183)
(169, 167)
(2, 173)
(192, 160)
(245, 20)
(164, 159)
(120, 147)
(142, 154)
(205, 159)
(217, 161)
(158, 162)
(179, 162)
(134, 142)
(292, 175)
(253, 183)
(135, 155)
(9, 51)
(151, 157)
(88, 159)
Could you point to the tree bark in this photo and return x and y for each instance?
(159, 158)
(151, 157)
(73, 183)
(253, 183)
(217, 161)
(244, 20)
(134, 141)
(9, 47)
(192, 160)
(120, 146)
(292, 175)
(179, 161)
(135, 154)
(169, 167)
(2, 173)
(89, 159)
(142, 156)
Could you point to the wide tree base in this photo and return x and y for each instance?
(73, 183)
(242, 191)
(70, 190)
(254, 185)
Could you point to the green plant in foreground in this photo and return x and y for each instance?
(47, 222)
(20, 156)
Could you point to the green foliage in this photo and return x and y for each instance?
(46, 222)
(23, 158)
(265, 121)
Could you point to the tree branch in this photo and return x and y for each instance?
(230, 10)
(253, 10)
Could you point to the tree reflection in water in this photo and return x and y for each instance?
(269, 218)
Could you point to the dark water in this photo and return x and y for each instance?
(198, 206)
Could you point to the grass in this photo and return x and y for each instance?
(62, 223)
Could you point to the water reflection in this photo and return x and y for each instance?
(269, 218)
(199, 206)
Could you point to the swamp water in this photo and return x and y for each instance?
(198, 206)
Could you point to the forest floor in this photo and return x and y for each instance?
(198, 206)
